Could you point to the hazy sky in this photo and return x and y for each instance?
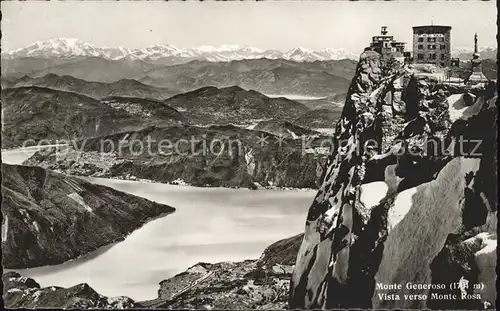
(274, 24)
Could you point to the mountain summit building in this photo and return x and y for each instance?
(384, 43)
(431, 45)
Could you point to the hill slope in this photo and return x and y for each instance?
(34, 113)
(233, 105)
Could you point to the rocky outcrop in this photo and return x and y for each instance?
(49, 218)
(251, 284)
(433, 145)
(23, 292)
(282, 252)
(226, 285)
(226, 156)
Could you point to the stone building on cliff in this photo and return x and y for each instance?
(385, 44)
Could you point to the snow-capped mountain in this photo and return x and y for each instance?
(68, 48)
(301, 54)
(465, 53)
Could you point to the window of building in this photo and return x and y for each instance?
(432, 56)
(420, 39)
(420, 46)
(442, 64)
(443, 47)
(420, 56)
(441, 39)
(433, 46)
(443, 56)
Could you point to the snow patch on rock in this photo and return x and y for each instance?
(250, 160)
(401, 207)
(5, 228)
(427, 215)
(372, 193)
(459, 110)
(35, 225)
(78, 199)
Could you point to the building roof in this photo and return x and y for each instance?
(431, 26)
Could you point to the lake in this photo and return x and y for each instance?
(209, 225)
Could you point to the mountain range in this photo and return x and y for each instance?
(465, 53)
(67, 48)
(98, 90)
(278, 77)
(169, 54)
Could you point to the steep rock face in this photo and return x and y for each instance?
(23, 292)
(227, 156)
(49, 218)
(403, 128)
(282, 252)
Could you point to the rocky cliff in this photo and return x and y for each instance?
(49, 218)
(408, 197)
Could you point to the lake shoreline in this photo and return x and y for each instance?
(196, 232)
